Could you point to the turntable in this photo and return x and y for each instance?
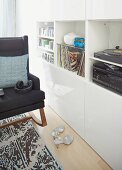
(112, 55)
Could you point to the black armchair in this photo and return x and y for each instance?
(13, 103)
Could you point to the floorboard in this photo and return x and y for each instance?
(77, 156)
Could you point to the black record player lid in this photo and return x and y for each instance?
(112, 55)
(113, 52)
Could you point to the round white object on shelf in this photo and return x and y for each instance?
(69, 38)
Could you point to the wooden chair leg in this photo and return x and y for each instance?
(32, 116)
(43, 121)
(43, 117)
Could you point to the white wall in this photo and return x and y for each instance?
(28, 12)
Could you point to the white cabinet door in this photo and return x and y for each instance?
(103, 124)
(69, 10)
(65, 94)
(104, 9)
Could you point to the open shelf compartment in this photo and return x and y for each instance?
(67, 56)
(102, 35)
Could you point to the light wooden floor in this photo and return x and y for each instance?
(78, 155)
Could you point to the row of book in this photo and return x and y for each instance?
(46, 31)
(71, 58)
(48, 57)
(48, 44)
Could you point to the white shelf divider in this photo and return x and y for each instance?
(46, 49)
(46, 37)
(105, 61)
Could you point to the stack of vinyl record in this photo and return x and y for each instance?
(71, 58)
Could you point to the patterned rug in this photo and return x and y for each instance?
(21, 147)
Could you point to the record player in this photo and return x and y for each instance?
(112, 55)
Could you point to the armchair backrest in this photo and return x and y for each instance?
(14, 46)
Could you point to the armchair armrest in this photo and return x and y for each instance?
(35, 80)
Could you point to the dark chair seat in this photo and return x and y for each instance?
(11, 99)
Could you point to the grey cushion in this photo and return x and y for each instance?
(13, 69)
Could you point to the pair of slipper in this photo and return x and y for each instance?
(67, 140)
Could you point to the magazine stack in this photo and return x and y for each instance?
(71, 58)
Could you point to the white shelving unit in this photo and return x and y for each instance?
(102, 106)
(45, 40)
(58, 81)
(99, 35)
(92, 111)
(61, 28)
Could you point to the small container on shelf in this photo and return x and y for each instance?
(51, 45)
(50, 32)
(46, 45)
(46, 32)
(43, 42)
